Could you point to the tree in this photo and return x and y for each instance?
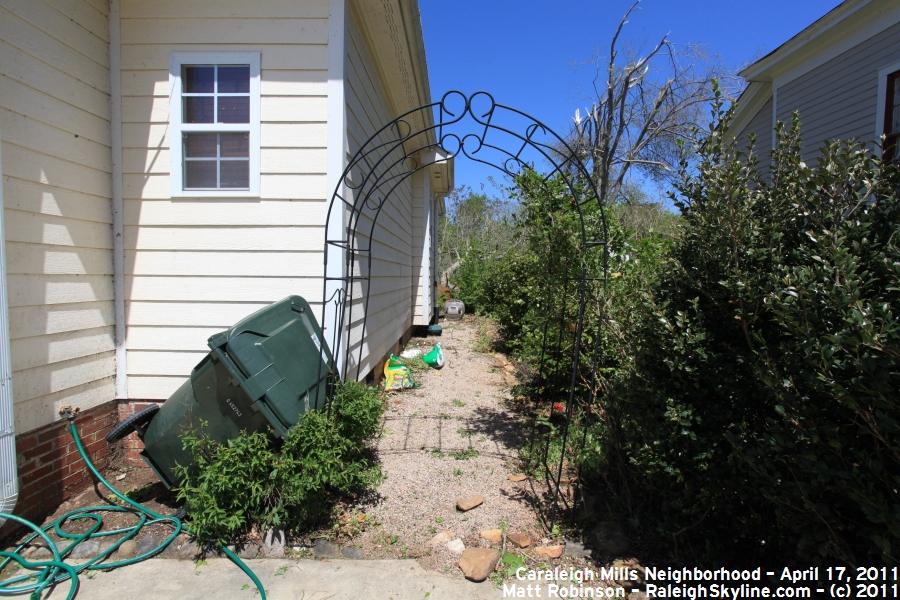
(642, 113)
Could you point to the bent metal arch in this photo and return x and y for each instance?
(480, 129)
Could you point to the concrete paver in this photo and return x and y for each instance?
(284, 579)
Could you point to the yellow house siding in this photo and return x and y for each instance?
(389, 312)
(54, 126)
(194, 266)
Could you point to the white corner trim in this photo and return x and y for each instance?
(176, 127)
(9, 480)
(118, 227)
(880, 99)
(336, 149)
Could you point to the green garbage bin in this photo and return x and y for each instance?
(265, 372)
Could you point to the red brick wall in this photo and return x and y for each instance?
(131, 445)
(50, 468)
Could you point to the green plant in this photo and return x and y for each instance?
(758, 412)
(457, 472)
(465, 454)
(458, 403)
(253, 480)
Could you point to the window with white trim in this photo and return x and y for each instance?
(214, 124)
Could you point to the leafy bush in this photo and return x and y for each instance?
(760, 422)
(255, 481)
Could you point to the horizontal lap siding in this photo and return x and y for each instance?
(390, 304)
(195, 266)
(760, 126)
(837, 100)
(54, 122)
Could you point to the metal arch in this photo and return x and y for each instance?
(391, 156)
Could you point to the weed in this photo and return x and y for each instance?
(465, 454)
(458, 403)
(439, 520)
(457, 472)
(437, 453)
(280, 571)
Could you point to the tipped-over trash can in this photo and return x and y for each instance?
(265, 372)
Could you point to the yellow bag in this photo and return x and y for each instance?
(397, 375)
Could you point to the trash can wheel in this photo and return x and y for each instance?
(136, 422)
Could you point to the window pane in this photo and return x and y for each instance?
(234, 79)
(235, 173)
(234, 109)
(235, 145)
(198, 109)
(200, 145)
(200, 174)
(895, 109)
(197, 79)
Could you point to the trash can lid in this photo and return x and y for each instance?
(281, 358)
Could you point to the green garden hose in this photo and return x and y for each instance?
(47, 573)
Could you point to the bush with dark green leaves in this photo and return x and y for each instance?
(760, 421)
(255, 481)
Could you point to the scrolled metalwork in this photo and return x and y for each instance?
(475, 127)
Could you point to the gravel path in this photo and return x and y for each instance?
(452, 437)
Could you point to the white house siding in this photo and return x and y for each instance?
(837, 100)
(390, 293)
(423, 268)
(54, 126)
(196, 266)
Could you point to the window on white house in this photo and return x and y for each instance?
(214, 113)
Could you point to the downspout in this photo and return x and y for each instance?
(9, 480)
(118, 257)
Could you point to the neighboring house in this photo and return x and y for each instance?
(167, 168)
(841, 74)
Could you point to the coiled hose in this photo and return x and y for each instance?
(47, 573)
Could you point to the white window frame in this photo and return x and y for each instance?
(881, 99)
(177, 127)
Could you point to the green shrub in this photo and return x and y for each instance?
(760, 422)
(256, 481)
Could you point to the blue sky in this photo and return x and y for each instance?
(536, 54)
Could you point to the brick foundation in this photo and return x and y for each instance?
(131, 445)
(50, 468)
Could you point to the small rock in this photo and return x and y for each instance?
(127, 549)
(146, 543)
(352, 553)
(609, 539)
(469, 502)
(326, 549)
(254, 550)
(441, 538)
(576, 549)
(633, 565)
(517, 477)
(273, 544)
(477, 563)
(494, 536)
(521, 540)
(86, 549)
(37, 552)
(456, 546)
(189, 549)
(549, 551)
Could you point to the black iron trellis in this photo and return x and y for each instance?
(415, 141)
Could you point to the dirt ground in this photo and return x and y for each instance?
(455, 436)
